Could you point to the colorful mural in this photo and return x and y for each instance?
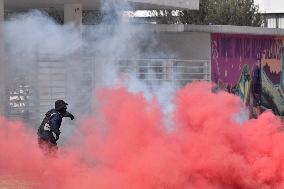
(250, 66)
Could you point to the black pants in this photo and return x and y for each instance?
(47, 142)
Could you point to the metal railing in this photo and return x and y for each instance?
(50, 81)
(178, 72)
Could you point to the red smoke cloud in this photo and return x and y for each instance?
(125, 145)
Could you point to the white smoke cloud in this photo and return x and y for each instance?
(34, 31)
(94, 49)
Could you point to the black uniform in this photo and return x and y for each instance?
(49, 130)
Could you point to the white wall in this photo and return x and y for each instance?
(183, 4)
(2, 60)
(186, 45)
(270, 6)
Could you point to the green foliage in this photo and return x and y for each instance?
(216, 12)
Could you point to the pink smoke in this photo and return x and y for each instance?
(125, 145)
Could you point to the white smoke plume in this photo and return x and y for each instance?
(90, 56)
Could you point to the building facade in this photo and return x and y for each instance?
(273, 12)
(49, 78)
(274, 20)
(178, 54)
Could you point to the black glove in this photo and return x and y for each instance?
(57, 134)
(57, 137)
(71, 116)
(68, 114)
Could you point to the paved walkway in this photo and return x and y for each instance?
(12, 183)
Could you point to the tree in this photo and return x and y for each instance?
(215, 12)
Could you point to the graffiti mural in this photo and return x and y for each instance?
(250, 66)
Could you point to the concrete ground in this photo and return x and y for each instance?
(14, 183)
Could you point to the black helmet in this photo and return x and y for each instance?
(59, 104)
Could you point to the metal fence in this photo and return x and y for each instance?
(30, 100)
(177, 72)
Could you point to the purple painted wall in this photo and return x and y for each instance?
(234, 63)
